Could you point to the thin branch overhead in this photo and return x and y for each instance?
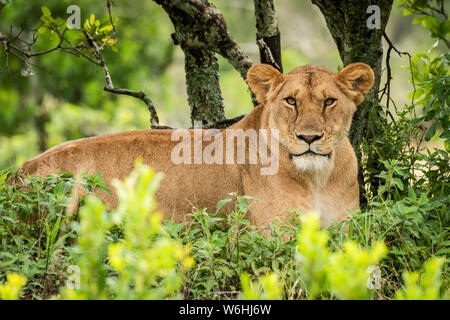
(387, 87)
(266, 53)
(110, 86)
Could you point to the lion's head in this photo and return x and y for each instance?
(311, 107)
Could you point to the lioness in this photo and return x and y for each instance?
(310, 109)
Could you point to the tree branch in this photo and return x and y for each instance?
(201, 31)
(154, 120)
(268, 36)
(90, 51)
(266, 55)
(387, 87)
(203, 26)
(225, 123)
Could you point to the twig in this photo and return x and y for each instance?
(387, 87)
(76, 49)
(30, 55)
(18, 56)
(109, 5)
(23, 51)
(447, 43)
(225, 122)
(267, 52)
(154, 120)
(440, 10)
(267, 31)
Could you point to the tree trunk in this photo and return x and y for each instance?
(356, 42)
(202, 80)
(201, 31)
(268, 36)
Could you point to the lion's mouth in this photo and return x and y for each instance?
(309, 151)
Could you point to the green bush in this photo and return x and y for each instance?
(409, 211)
(35, 231)
(343, 274)
(143, 263)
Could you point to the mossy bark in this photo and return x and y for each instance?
(267, 30)
(203, 88)
(201, 32)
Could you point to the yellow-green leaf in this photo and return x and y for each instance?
(92, 19)
(46, 11)
(106, 28)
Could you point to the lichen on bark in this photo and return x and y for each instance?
(203, 88)
(268, 32)
(201, 32)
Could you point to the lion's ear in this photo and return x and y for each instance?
(261, 78)
(356, 80)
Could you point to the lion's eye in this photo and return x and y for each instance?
(291, 101)
(328, 102)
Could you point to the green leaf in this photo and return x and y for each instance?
(47, 20)
(411, 194)
(445, 251)
(431, 131)
(398, 183)
(431, 23)
(418, 19)
(92, 19)
(46, 11)
(42, 29)
(445, 27)
(106, 28)
(221, 203)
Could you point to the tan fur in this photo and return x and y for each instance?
(327, 184)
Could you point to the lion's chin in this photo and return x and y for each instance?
(311, 162)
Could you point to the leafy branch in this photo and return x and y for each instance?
(431, 14)
(88, 43)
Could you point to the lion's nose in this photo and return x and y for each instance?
(309, 138)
